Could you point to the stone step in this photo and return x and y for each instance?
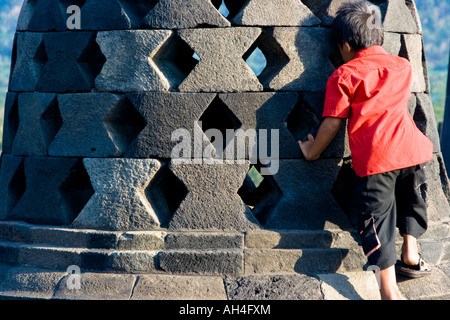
(80, 238)
(212, 261)
(25, 282)
(164, 239)
(60, 258)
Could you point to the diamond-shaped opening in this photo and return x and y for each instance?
(13, 58)
(165, 194)
(91, 60)
(51, 121)
(302, 121)
(124, 123)
(229, 8)
(75, 192)
(16, 187)
(40, 57)
(260, 193)
(12, 121)
(266, 58)
(256, 60)
(136, 10)
(176, 60)
(219, 116)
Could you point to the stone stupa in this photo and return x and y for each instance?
(88, 178)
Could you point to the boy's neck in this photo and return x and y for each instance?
(347, 52)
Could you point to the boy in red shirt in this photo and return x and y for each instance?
(372, 90)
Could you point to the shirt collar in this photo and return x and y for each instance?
(370, 51)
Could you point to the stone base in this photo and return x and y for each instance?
(37, 283)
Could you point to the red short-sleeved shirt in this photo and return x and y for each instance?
(372, 91)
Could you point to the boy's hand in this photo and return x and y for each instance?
(306, 148)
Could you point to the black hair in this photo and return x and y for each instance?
(355, 25)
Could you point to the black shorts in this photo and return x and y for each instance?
(385, 201)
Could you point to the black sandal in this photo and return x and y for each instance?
(416, 271)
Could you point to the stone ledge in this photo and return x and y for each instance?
(34, 283)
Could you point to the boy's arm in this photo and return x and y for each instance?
(312, 148)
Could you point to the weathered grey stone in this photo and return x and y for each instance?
(275, 13)
(263, 261)
(309, 66)
(39, 121)
(29, 61)
(44, 15)
(95, 125)
(11, 121)
(57, 236)
(132, 261)
(129, 65)
(119, 202)
(431, 251)
(349, 286)
(204, 241)
(202, 261)
(56, 200)
(397, 17)
(35, 283)
(392, 43)
(298, 239)
(97, 286)
(414, 53)
(221, 67)
(48, 257)
(181, 14)
(426, 288)
(164, 114)
(325, 9)
(415, 14)
(206, 206)
(275, 287)
(306, 201)
(175, 287)
(141, 240)
(435, 190)
(74, 60)
(104, 15)
(293, 115)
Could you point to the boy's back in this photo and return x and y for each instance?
(373, 91)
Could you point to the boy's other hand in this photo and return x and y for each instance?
(305, 147)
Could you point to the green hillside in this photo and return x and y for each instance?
(435, 16)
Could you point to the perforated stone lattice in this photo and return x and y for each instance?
(93, 111)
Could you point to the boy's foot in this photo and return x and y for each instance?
(418, 270)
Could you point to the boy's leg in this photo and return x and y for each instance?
(388, 285)
(376, 210)
(411, 212)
